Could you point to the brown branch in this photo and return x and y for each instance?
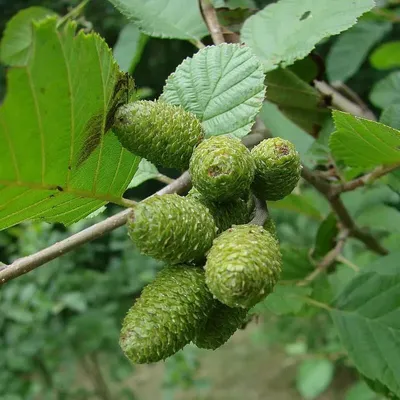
(330, 193)
(261, 212)
(211, 19)
(24, 265)
(343, 103)
(365, 179)
(328, 260)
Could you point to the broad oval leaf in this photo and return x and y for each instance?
(352, 47)
(363, 143)
(386, 56)
(386, 91)
(129, 47)
(367, 316)
(222, 85)
(17, 37)
(178, 19)
(57, 161)
(145, 172)
(314, 377)
(287, 31)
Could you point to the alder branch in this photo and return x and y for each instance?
(329, 192)
(328, 260)
(24, 265)
(261, 212)
(365, 179)
(343, 103)
(211, 19)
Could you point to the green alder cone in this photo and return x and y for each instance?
(243, 265)
(222, 168)
(172, 228)
(222, 323)
(167, 315)
(278, 168)
(160, 132)
(235, 212)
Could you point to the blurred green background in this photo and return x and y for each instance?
(59, 325)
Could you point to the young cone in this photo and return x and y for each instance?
(243, 265)
(235, 212)
(220, 326)
(160, 132)
(172, 228)
(222, 168)
(278, 168)
(167, 315)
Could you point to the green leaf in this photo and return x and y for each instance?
(129, 47)
(178, 19)
(222, 85)
(296, 262)
(232, 4)
(287, 299)
(145, 172)
(391, 116)
(386, 91)
(17, 38)
(287, 31)
(57, 162)
(281, 126)
(306, 69)
(326, 234)
(360, 391)
(352, 47)
(298, 204)
(394, 181)
(367, 315)
(386, 56)
(363, 143)
(314, 377)
(296, 99)
(381, 217)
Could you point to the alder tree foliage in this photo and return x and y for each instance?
(289, 195)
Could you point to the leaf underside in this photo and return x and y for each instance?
(58, 163)
(222, 85)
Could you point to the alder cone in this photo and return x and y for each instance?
(167, 315)
(222, 323)
(243, 265)
(278, 169)
(234, 212)
(222, 168)
(160, 132)
(172, 228)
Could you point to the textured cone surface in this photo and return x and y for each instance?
(172, 228)
(222, 323)
(167, 315)
(278, 169)
(234, 212)
(222, 168)
(243, 265)
(160, 132)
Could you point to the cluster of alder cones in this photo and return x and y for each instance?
(221, 252)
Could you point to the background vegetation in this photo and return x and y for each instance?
(59, 325)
